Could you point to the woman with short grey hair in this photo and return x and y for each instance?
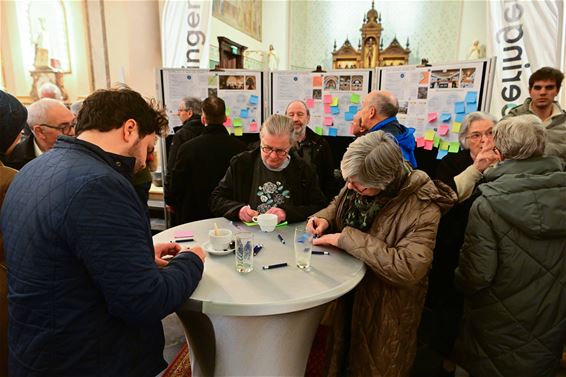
(512, 262)
(386, 216)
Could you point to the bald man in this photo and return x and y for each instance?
(47, 119)
(313, 148)
(379, 112)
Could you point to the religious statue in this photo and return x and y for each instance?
(41, 42)
(272, 59)
(371, 47)
(477, 51)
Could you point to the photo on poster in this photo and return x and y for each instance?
(357, 83)
(468, 77)
(317, 93)
(345, 83)
(445, 79)
(424, 77)
(212, 92)
(213, 81)
(331, 83)
(422, 92)
(403, 107)
(231, 82)
(250, 83)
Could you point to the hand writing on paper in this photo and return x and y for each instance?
(488, 156)
(327, 239)
(246, 214)
(281, 215)
(317, 225)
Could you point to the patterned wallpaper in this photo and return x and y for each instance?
(316, 24)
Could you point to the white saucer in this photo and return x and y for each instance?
(208, 248)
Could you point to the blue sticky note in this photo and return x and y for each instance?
(471, 106)
(471, 97)
(244, 113)
(459, 118)
(253, 99)
(441, 154)
(459, 108)
(334, 110)
(348, 116)
(445, 117)
(332, 131)
(353, 109)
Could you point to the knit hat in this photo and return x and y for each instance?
(13, 117)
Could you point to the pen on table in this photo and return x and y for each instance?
(319, 252)
(182, 240)
(272, 266)
(257, 248)
(281, 239)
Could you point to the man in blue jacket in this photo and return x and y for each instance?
(379, 112)
(87, 288)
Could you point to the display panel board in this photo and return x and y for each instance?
(241, 90)
(435, 99)
(332, 97)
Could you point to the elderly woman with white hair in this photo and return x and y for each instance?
(513, 262)
(386, 216)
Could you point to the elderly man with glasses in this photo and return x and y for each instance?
(47, 119)
(269, 179)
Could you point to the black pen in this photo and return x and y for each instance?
(182, 240)
(318, 252)
(278, 265)
(281, 238)
(257, 248)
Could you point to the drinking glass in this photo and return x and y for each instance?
(303, 247)
(244, 252)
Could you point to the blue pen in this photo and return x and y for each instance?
(257, 248)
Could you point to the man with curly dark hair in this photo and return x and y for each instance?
(87, 288)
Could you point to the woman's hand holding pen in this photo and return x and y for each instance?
(317, 225)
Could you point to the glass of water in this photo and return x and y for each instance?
(244, 252)
(303, 247)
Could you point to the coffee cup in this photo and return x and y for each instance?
(266, 221)
(220, 239)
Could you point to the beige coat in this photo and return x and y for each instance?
(387, 303)
(6, 176)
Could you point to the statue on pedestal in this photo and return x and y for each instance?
(41, 43)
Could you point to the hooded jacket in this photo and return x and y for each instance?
(380, 326)
(512, 269)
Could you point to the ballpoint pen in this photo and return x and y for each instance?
(272, 266)
(281, 239)
(318, 252)
(257, 248)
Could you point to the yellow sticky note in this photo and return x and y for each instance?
(444, 145)
(239, 131)
(454, 147)
(227, 111)
(456, 127)
(429, 135)
(237, 122)
(334, 101)
(355, 98)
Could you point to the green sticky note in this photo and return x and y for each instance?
(334, 101)
(444, 145)
(454, 147)
(238, 131)
(355, 98)
(318, 130)
(227, 111)
(429, 135)
(456, 127)
(436, 141)
(237, 122)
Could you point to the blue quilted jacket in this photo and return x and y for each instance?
(85, 296)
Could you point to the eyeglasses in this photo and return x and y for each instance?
(475, 136)
(65, 128)
(359, 188)
(278, 152)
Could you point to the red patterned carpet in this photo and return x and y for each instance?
(181, 366)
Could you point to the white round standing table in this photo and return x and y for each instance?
(261, 323)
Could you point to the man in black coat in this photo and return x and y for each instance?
(202, 162)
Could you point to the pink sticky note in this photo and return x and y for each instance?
(428, 145)
(432, 117)
(183, 234)
(443, 130)
(253, 127)
(420, 142)
(328, 121)
(327, 109)
(310, 103)
(228, 122)
(328, 98)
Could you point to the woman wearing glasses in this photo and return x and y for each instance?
(386, 216)
(269, 179)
